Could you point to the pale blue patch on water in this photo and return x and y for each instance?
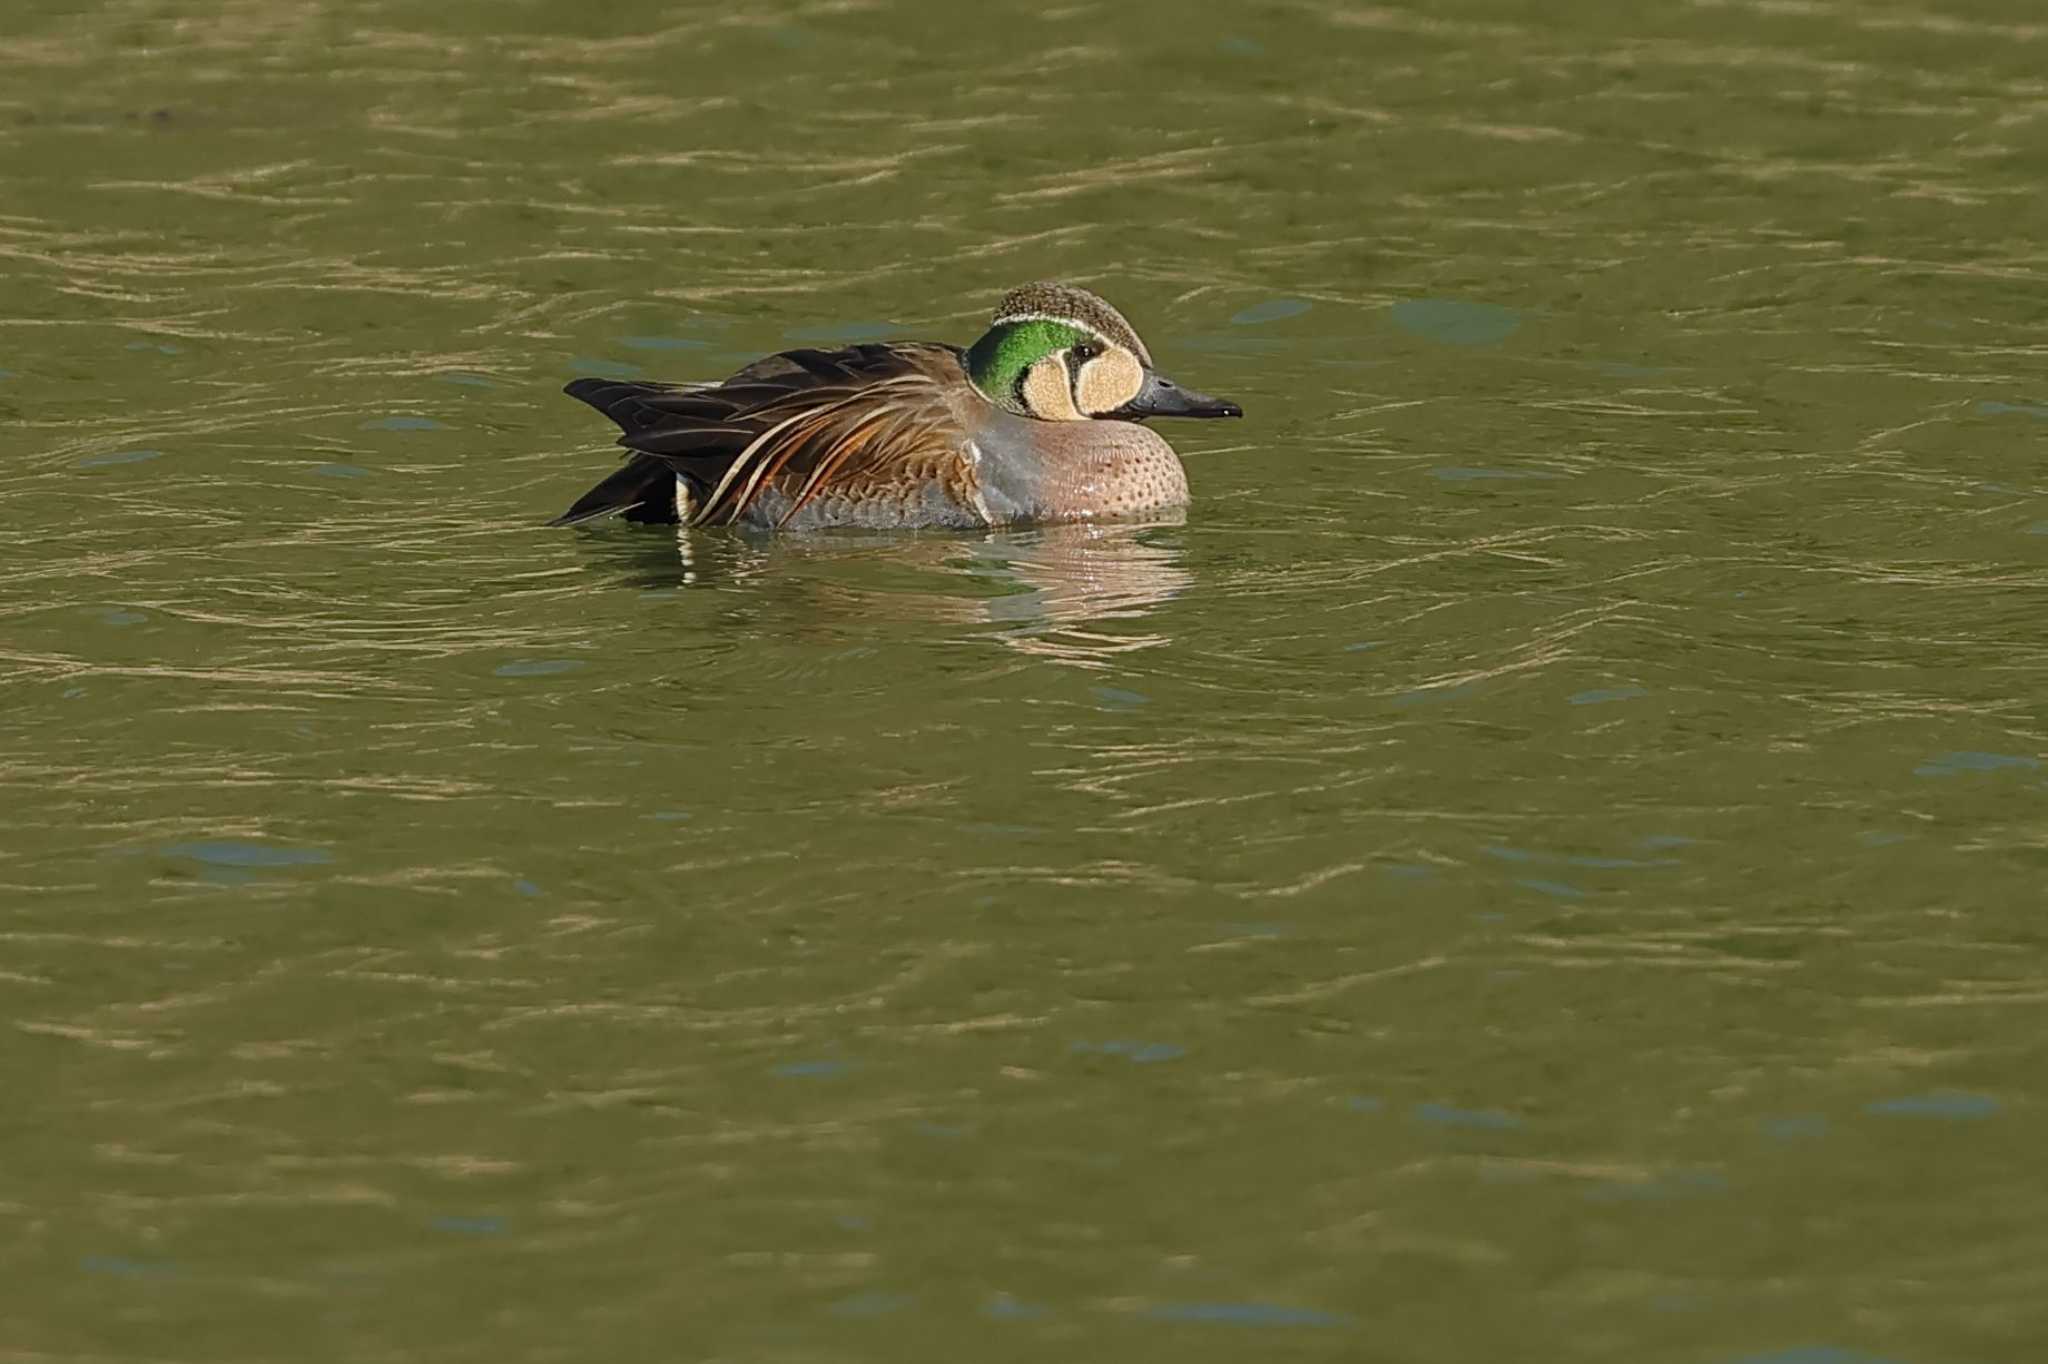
(1362, 645)
(811, 1070)
(1555, 889)
(73, 693)
(537, 667)
(1138, 1053)
(847, 1222)
(1490, 917)
(2038, 528)
(116, 457)
(1600, 695)
(234, 852)
(1873, 838)
(156, 346)
(663, 343)
(1955, 764)
(1019, 606)
(1656, 841)
(1508, 854)
(1947, 1103)
(1272, 310)
(469, 1226)
(669, 816)
(6, 374)
(1409, 871)
(871, 1304)
(1241, 47)
(1246, 1314)
(340, 471)
(1990, 408)
(123, 617)
(1455, 321)
(1446, 1116)
(1116, 698)
(401, 424)
(1798, 1127)
(589, 366)
(1364, 1103)
(1462, 474)
(1003, 1307)
(844, 333)
(1813, 1354)
(469, 380)
(125, 1267)
(992, 830)
(527, 888)
(938, 1129)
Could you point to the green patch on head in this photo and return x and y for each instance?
(997, 362)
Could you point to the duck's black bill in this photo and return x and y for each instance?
(1162, 397)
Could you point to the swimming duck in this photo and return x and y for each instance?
(1038, 421)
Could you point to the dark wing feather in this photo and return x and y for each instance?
(796, 423)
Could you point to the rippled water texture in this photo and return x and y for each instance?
(1544, 863)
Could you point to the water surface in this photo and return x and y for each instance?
(1545, 858)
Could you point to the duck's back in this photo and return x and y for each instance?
(869, 435)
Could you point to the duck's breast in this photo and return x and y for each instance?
(1075, 471)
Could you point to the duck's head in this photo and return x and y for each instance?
(1059, 353)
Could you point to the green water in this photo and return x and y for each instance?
(1544, 863)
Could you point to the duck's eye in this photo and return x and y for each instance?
(1087, 350)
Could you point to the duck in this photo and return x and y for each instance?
(1040, 421)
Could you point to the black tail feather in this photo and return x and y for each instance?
(644, 489)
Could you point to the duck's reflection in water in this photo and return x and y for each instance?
(1043, 588)
(1066, 578)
